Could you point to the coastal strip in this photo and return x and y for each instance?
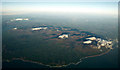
(56, 66)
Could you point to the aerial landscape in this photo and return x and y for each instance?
(57, 36)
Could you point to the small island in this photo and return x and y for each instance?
(52, 46)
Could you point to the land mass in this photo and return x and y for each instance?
(44, 45)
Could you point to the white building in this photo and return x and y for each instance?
(63, 36)
(87, 42)
(91, 38)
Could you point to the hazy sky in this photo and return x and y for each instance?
(107, 8)
(60, 0)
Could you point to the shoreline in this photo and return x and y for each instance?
(80, 60)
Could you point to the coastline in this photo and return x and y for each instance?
(80, 60)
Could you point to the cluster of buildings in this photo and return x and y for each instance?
(100, 42)
(39, 28)
(19, 19)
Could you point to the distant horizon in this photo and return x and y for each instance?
(60, 0)
(105, 8)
